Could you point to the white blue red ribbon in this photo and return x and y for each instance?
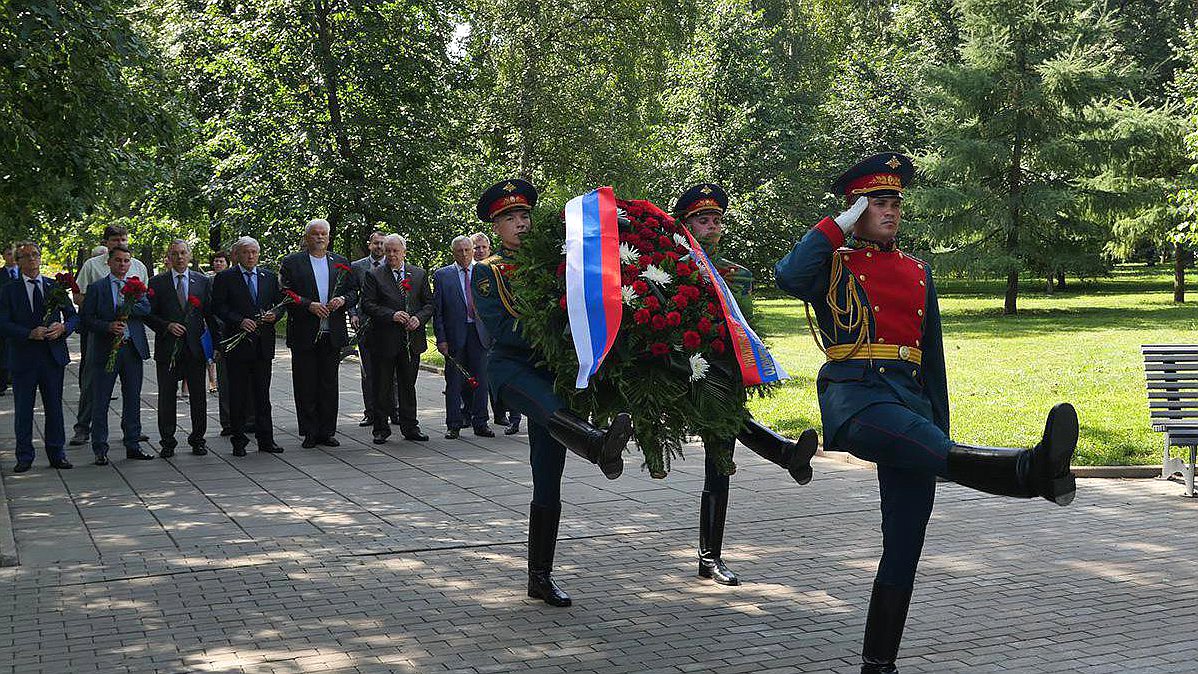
(593, 300)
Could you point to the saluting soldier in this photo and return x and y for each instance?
(883, 394)
(520, 385)
(701, 209)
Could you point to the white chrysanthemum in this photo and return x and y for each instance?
(657, 275)
(699, 367)
(681, 241)
(628, 295)
(629, 254)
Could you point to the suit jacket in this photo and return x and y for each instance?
(232, 303)
(382, 297)
(165, 309)
(361, 268)
(99, 309)
(449, 309)
(17, 320)
(295, 273)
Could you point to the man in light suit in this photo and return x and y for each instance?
(373, 260)
(316, 331)
(179, 312)
(37, 354)
(242, 298)
(108, 330)
(461, 336)
(395, 297)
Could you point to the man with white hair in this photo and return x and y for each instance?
(396, 298)
(242, 297)
(461, 336)
(316, 331)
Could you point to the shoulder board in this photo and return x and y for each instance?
(491, 260)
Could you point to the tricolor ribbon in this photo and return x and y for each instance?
(593, 300)
(757, 366)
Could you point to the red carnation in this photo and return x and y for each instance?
(658, 349)
(193, 301)
(658, 257)
(691, 292)
(641, 316)
(704, 325)
(149, 293)
(691, 340)
(561, 269)
(652, 304)
(717, 346)
(680, 300)
(406, 285)
(711, 308)
(292, 296)
(472, 382)
(562, 303)
(658, 322)
(722, 330)
(664, 241)
(341, 266)
(644, 261)
(674, 318)
(640, 287)
(682, 269)
(670, 255)
(631, 269)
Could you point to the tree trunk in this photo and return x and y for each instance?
(1179, 273)
(1049, 286)
(1015, 189)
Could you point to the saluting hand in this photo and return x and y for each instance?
(847, 219)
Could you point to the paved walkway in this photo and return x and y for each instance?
(410, 558)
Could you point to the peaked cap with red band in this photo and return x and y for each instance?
(882, 175)
(504, 196)
(700, 198)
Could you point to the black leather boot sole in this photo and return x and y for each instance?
(1052, 457)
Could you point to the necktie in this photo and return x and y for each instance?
(116, 295)
(251, 280)
(469, 296)
(180, 292)
(39, 302)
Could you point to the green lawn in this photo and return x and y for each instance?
(1081, 345)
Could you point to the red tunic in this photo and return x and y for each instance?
(896, 285)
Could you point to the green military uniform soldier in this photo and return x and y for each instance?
(515, 379)
(701, 209)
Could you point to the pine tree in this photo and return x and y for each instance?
(1017, 139)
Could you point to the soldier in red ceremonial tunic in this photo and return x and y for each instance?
(883, 394)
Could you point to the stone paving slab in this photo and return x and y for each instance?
(410, 558)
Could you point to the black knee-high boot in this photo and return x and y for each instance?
(542, 541)
(884, 628)
(1042, 470)
(713, 509)
(793, 455)
(602, 447)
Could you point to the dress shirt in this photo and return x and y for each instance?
(29, 284)
(464, 279)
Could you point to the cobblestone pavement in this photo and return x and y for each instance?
(410, 558)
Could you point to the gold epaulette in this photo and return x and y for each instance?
(501, 289)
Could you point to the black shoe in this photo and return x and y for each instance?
(484, 432)
(415, 436)
(330, 442)
(200, 450)
(501, 420)
(542, 541)
(713, 509)
(793, 455)
(79, 439)
(309, 442)
(167, 452)
(270, 449)
(21, 467)
(101, 461)
(366, 421)
(143, 438)
(513, 428)
(239, 451)
(394, 419)
(884, 628)
(603, 448)
(380, 439)
(452, 434)
(226, 432)
(138, 455)
(61, 464)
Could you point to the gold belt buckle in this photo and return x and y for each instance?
(905, 352)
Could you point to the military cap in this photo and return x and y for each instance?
(882, 175)
(504, 196)
(700, 198)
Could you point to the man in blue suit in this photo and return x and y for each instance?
(461, 336)
(100, 317)
(37, 354)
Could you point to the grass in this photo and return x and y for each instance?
(1081, 345)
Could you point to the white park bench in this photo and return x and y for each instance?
(1172, 374)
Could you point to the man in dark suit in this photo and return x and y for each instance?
(102, 316)
(11, 273)
(362, 267)
(316, 331)
(461, 336)
(37, 353)
(179, 309)
(396, 298)
(243, 298)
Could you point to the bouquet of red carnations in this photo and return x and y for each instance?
(131, 294)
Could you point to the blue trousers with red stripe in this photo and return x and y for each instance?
(910, 451)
